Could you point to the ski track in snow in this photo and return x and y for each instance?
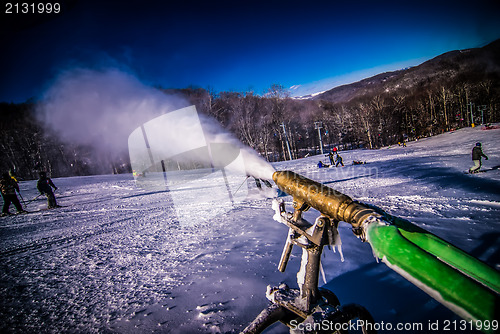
(115, 259)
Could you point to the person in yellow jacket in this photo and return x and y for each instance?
(8, 188)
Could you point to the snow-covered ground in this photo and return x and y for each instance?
(115, 259)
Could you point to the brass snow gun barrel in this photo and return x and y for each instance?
(307, 193)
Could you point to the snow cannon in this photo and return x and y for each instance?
(462, 283)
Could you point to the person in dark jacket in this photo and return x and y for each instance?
(338, 160)
(44, 186)
(8, 188)
(477, 154)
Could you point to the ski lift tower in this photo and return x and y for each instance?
(319, 126)
(482, 109)
(471, 114)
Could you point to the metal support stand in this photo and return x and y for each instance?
(308, 309)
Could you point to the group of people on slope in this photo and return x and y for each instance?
(9, 185)
(477, 155)
(335, 159)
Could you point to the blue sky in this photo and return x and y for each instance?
(235, 45)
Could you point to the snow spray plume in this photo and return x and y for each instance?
(185, 140)
(254, 165)
(182, 150)
(102, 108)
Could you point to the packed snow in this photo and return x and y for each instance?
(116, 258)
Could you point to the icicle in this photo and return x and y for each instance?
(322, 272)
(335, 241)
(375, 255)
(340, 252)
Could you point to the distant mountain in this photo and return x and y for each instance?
(467, 65)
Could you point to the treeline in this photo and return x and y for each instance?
(275, 125)
(27, 147)
(275, 122)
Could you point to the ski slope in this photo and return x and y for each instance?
(115, 259)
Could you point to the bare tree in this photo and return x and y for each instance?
(445, 99)
(365, 116)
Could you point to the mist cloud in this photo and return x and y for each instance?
(102, 108)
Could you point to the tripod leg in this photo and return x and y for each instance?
(266, 318)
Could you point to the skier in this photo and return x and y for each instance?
(330, 156)
(338, 160)
(44, 186)
(477, 153)
(8, 189)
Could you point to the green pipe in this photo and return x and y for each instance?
(463, 295)
(450, 254)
